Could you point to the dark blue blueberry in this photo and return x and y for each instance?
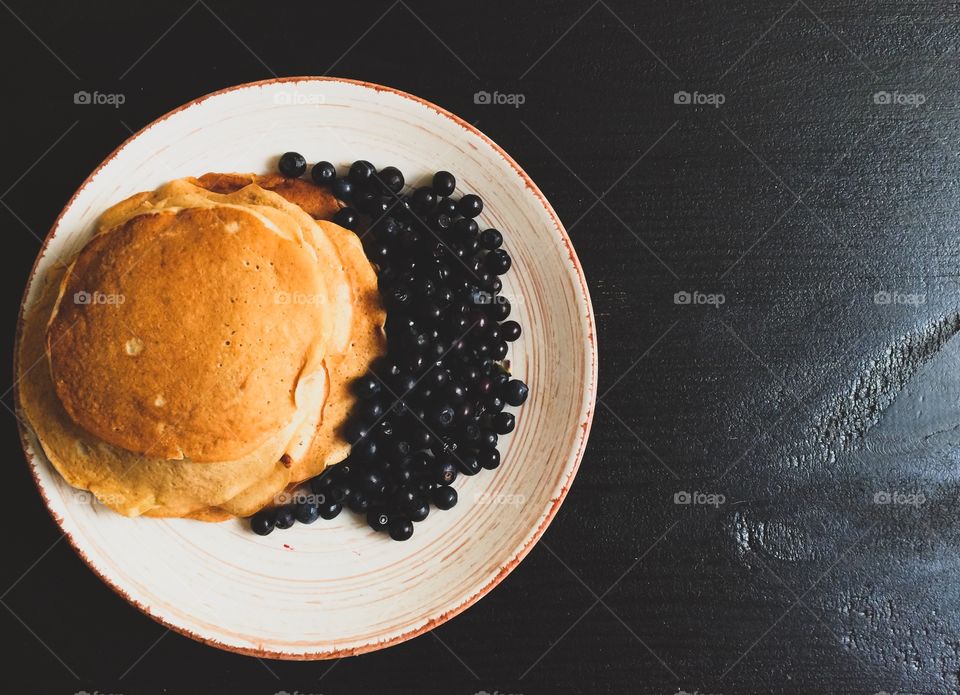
(470, 205)
(283, 517)
(323, 173)
(342, 189)
(400, 529)
(445, 472)
(444, 498)
(510, 330)
(488, 458)
(330, 510)
(346, 217)
(292, 164)
(424, 199)
(498, 261)
(420, 512)
(378, 519)
(391, 179)
(361, 171)
(503, 423)
(444, 183)
(491, 239)
(468, 464)
(263, 522)
(367, 387)
(307, 512)
(516, 392)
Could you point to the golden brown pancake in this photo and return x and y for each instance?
(129, 483)
(316, 201)
(179, 333)
(215, 491)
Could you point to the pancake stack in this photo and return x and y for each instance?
(194, 358)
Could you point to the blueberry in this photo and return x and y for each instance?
(503, 423)
(370, 409)
(359, 502)
(330, 510)
(470, 205)
(488, 439)
(444, 498)
(367, 387)
(455, 392)
(516, 392)
(346, 217)
(323, 173)
(420, 512)
(499, 309)
(494, 405)
(445, 472)
(510, 330)
(489, 458)
(400, 529)
(386, 229)
(342, 189)
(391, 179)
(263, 522)
(448, 207)
(292, 164)
(307, 512)
(378, 519)
(361, 171)
(498, 261)
(499, 350)
(442, 415)
(444, 183)
(424, 199)
(365, 449)
(468, 464)
(399, 296)
(464, 228)
(491, 239)
(283, 517)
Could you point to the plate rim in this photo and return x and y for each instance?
(587, 413)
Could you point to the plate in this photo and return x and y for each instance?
(337, 588)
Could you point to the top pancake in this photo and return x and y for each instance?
(185, 332)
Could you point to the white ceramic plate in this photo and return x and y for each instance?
(337, 588)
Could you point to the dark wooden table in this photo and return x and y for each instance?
(765, 200)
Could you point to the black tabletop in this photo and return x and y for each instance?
(764, 197)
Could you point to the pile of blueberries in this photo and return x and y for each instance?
(432, 409)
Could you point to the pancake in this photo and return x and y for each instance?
(216, 491)
(192, 353)
(129, 483)
(316, 201)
